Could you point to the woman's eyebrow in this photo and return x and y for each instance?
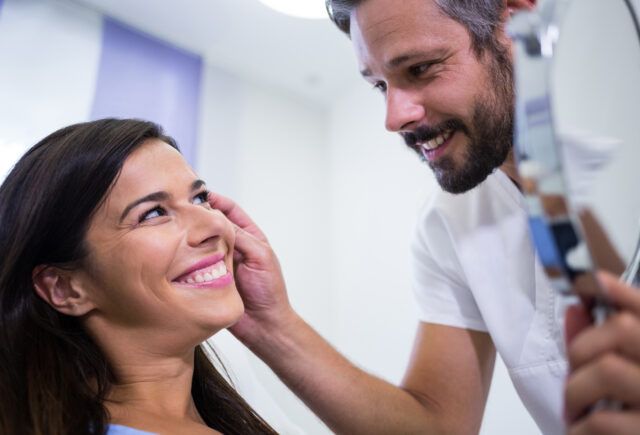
(152, 197)
(197, 185)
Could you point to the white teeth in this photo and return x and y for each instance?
(215, 272)
(222, 269)
(437, 141)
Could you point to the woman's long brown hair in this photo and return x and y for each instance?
(53, 377)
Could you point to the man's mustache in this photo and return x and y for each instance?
(425, 133)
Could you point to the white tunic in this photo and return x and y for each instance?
(475, 268)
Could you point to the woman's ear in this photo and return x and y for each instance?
(58, 288)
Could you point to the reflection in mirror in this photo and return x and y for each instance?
(596, 88)
(578, 139)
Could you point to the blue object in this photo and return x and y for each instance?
(117, 429)
(544, 243)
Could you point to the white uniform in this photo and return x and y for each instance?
(475, 268)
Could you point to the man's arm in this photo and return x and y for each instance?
(445, 386)
(605, 364)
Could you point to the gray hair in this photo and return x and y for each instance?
(480, 17)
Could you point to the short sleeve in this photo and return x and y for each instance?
(439, 284)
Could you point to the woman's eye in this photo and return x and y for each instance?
(153, 213)
(201, 198)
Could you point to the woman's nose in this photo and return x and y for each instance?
(405, 110)
(205, 224)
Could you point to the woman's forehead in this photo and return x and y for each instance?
(154, 163)
(154, 166)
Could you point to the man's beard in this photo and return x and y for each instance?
(490, 134)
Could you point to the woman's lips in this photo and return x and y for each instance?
(209, 272)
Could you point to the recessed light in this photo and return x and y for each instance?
(314, 9)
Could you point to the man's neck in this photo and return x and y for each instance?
(510, 168)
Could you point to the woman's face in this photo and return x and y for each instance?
(160, 258)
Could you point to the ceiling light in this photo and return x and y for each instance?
(299, 8)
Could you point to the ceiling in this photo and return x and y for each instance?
(310, 58)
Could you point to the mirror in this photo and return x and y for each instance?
(578, 137)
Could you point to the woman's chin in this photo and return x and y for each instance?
(225, 318)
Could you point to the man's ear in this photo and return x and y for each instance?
(61, 291)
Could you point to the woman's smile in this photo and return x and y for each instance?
(211, 272)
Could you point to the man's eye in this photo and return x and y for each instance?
(201, 198)
(151, 214)
(380, 86)
(418, 70)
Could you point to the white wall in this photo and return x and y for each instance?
(377, 186)
(47, 79)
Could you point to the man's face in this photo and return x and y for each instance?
(453, 108)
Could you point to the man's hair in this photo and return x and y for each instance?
(479, 17)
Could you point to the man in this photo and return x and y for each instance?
(444, 67)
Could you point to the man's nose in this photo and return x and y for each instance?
(404, 110)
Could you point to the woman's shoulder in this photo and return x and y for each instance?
(117, 429)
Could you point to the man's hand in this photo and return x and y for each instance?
(257, 275)
(605, 363)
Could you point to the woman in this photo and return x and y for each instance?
(114, 270)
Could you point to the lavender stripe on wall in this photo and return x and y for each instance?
(140, 76)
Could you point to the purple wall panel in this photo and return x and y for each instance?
(140, 76)
(1, 1)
